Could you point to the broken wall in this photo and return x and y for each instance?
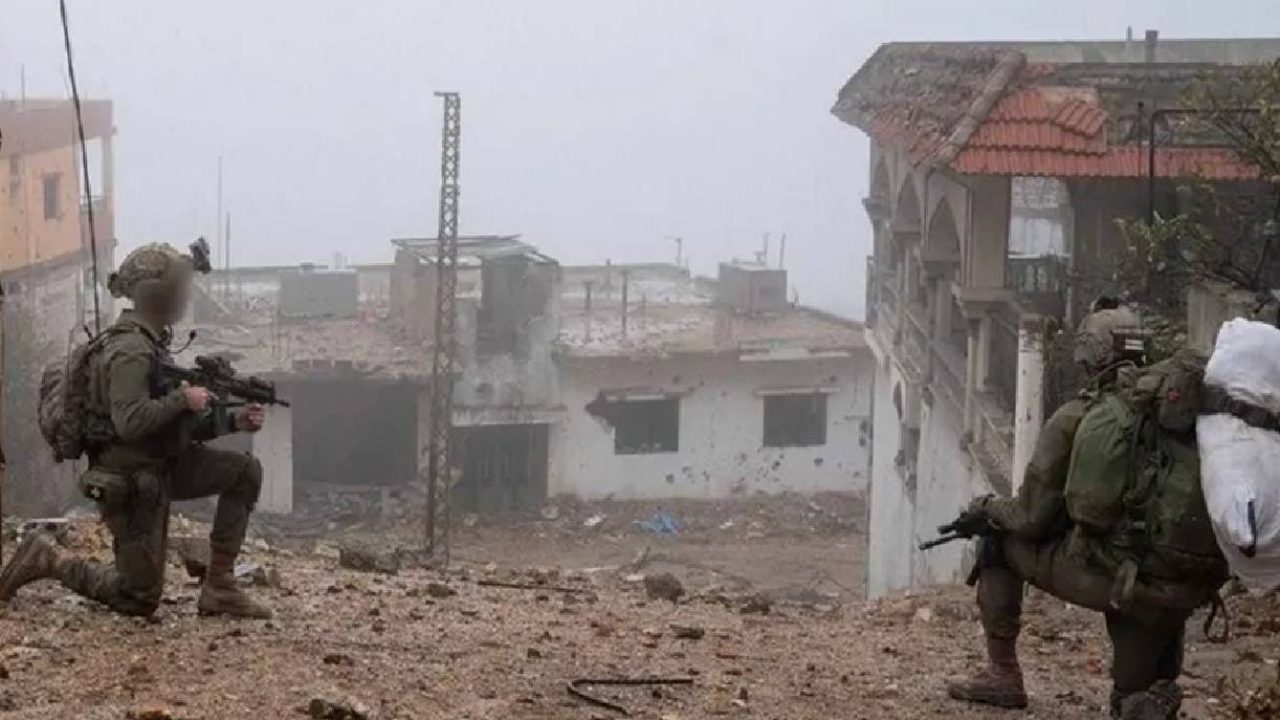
(504, 384)
(721, 426)
(349, 433)
(42, 318)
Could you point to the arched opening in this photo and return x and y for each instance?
(941, 258)
(943, 241)
(906, 209)
(905, 226)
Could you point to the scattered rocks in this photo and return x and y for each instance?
(756, 604)
(687, 632)
(367, 559)
(322, 709)
(664, 586)
(440, 590)
(193, 554)
(151, 713)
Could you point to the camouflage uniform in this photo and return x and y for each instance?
(153, 463)
(1039, 545)
(1038, 548)
(155, 455)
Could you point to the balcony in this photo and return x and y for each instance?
(1040, 283)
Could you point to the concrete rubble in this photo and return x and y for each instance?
(526, 609)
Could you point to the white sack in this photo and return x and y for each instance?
(1240, 464)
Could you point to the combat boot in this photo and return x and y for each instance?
(1161, 702)
(37, 557)
(998, 684)
(221, 594)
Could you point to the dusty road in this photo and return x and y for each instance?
(404, 648)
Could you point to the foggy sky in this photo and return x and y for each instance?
(596, 128)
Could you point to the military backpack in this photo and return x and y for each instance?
(66, 420)
(1134, 476)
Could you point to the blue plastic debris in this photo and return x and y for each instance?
(660, 524)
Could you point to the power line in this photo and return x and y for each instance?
(84, 164)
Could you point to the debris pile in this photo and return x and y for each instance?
(1256, 704)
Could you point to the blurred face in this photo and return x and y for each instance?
(165, 301)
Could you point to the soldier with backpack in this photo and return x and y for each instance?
(145, 448)
(1109, 517)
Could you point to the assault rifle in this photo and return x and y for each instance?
(968, 525)
(215, 374)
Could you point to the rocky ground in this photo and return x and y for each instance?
(770, 625)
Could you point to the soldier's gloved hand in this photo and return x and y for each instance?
(197, 398)
(978, 507)
(975, 520)
(252, 418)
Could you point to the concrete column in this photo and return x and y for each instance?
(941, 309)
(970, 377)
(1029, 399)
(273, 446)
(108, 174)
(984, 353)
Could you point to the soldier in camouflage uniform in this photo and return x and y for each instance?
(1038, 545)
(155, 454)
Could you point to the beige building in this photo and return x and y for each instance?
(997, 173)
(44, 255)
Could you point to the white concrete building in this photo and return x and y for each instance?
(997, 173)
(695, 395)
(624, 382)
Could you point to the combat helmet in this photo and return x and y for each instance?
(1100, 338)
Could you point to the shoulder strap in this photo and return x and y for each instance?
(1216, 400)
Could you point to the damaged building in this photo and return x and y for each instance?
(997, 174)
(639, 381)
(613, 381)
(505, 391)
(696, 388)
(356, 384)
(46, 272)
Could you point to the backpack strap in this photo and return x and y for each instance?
(1216, 401)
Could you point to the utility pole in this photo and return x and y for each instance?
(445, 341)
(220, 247)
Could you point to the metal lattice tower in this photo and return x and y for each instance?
(445, 345)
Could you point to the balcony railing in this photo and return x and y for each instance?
(1040, 282)
(915, 338)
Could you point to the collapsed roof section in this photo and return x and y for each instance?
(335, 331)
(669, 313)
(474, 249)
(1042, 109)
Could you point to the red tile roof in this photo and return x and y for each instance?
(1047, 120)
(1061, 132)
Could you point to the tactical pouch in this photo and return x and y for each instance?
(105, 487)
(115, 490)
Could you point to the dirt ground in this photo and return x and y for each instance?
(431, 644)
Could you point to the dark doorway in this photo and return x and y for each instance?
(504, 469)
(352, 433)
